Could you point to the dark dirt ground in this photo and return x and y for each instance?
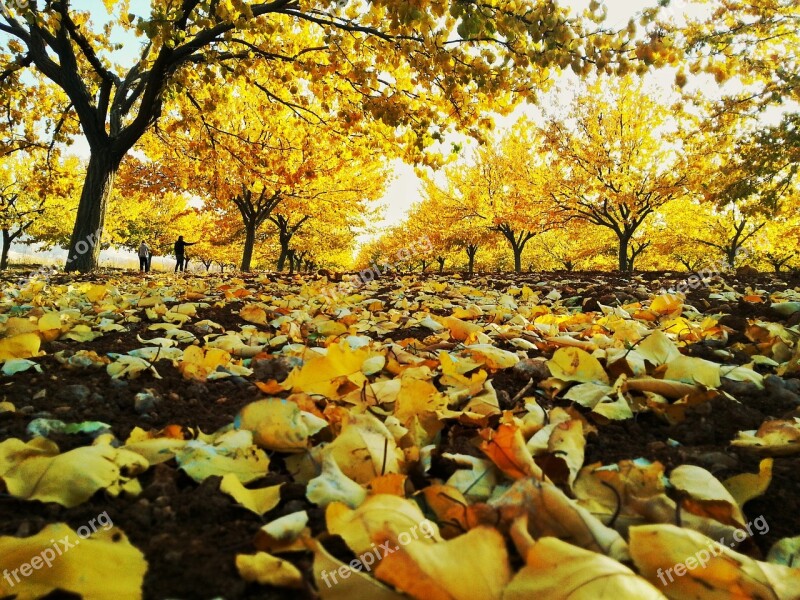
(190, 533)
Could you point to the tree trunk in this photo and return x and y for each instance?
(730, 254)
(283, 256)
(6, 248)
(471, 252)
(84, 245)
(517, 258)
(623, 253)
(441, 262)
(249, 243)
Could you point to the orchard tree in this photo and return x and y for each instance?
(257, 162)
(575, 244)
(674, 232)
(450, 214)
(779, 241)
(750, 43)
(420, 69)
(36, 199)
(617, 157)
(503, 189)
(516, 176)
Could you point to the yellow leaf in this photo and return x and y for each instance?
(259, 500)
(103, 565)
(746, 486)
(551, 512)
(686, 564)
(253, 313)
(331, 328)
(230, 454)
(773, 438)
(331, 485)
(474, 565)
(17, 325)
(14, 451)
(277, 424)
(50, 326)
(506, 448)
(658, 349)
(197, 364)
(693, 370)
(365, 449)
(361, 526)
(574, 364)
(22, 345)
(492, 357)
(95, 293)
(325, 375)
(667, 304)
(702, 485)
(339, 581)
(266, 569)
(555, 569)
(72, 477)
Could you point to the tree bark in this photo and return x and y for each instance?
(282, 257)
(4, 253)
(472, 250)
(517, 259)
(623, 253)
(84, 245)
(249, 243)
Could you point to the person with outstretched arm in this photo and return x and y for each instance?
(180, 250)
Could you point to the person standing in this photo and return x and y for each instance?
(144, 257)
(180, 251)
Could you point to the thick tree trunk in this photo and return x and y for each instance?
(731, 253)
(471, 252)
(623, 254)
(4, 252)
(84, 245)
(249, 243)
(517, 258)
(283, 256)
